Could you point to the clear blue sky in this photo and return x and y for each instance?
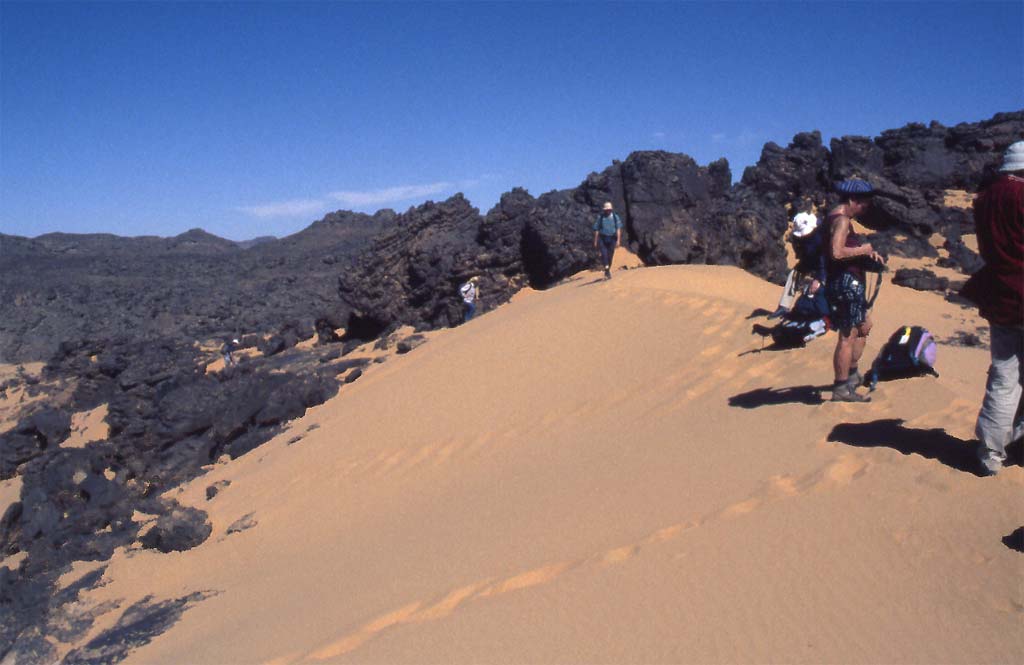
(252, 119)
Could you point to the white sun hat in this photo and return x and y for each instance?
(1013, 160)
(804, 223)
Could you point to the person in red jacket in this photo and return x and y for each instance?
(998, 290)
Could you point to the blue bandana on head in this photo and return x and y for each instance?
(854, 186)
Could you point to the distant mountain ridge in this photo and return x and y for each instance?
(372, 272)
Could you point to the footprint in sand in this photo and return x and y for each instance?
(742, 508)
(620, 554)
(712, 350)
(424, 453)
(445, 453)
(839, 472)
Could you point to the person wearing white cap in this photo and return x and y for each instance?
(810, 254)
(607, 236)
(229, 348)
(470, 292)
(998, 290)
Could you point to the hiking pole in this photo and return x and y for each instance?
(878, 287)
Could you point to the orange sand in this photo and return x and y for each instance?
(563, 480)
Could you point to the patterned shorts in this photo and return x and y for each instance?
(847, 303)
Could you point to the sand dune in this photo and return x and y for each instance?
(603, 473)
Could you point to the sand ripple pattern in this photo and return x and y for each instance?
(835, 475)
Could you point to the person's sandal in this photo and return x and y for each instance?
(856, 379)
(845, 393)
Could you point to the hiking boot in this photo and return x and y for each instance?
(991, 463)
(845, 393)
(777, 313)
(607, 273)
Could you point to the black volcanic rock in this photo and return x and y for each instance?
(62, 287)
(797, 176)
(31, 437)
(920, 279)
(962, 256)
(664, 192)
(411, 273)
(179, 530)
(911, 167)
(558, 239)
(682, 213)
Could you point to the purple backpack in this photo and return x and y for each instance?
(909, 352)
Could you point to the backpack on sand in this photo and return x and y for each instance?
(808, 319)
(909, 352)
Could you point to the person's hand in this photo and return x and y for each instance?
(877, 257)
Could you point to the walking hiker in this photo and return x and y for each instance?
(229, 348)
(810, 253)
(998, 290)
(469, 292)
(607, 236)
(845, 288)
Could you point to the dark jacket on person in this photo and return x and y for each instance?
(998, 288)
(810, 254)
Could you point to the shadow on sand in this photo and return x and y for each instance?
(1015, 541)
(934, 443)
(760, 311)
(771, 347)
(772, 396)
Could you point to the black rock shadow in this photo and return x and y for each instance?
(1015, 541)
(760, 311)
(138, 625)
(934, 443)
(753, 399)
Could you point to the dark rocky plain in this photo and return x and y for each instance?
(133, 322)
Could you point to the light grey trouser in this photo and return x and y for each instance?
(1000, 418)
(789, 291)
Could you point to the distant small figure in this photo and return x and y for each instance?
(230, 348)
(845, 288)
(810, 253)
(998, 290)
(470, 292)
(607, 236)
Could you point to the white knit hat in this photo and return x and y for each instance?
(804, 223)
(1013, 160)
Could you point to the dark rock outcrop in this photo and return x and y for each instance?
(179, 530)
(920, 279)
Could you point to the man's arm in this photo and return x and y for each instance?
(840, 252)
(840, 232)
